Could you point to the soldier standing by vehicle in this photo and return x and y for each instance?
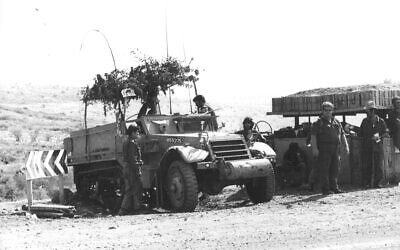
(131, 172)
(204, 108)
(372, 130)
(393, 123)
(326, 138)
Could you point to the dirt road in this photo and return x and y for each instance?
(357, 219)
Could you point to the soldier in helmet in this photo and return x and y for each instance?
(327, 136)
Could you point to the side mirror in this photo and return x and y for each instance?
(202, 123)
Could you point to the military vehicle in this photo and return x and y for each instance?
(183, 155)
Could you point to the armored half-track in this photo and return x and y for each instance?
(183, 155)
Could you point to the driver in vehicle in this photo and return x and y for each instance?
(250, 134)
(204, 108)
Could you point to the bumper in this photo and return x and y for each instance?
(241, 169)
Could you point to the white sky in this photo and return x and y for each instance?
(270, 48)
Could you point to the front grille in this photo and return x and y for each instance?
(230, 150)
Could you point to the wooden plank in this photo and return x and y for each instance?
(368, 96)
(316, 104)
(61, 188)
(276, 105)
(29, 193)
(340, 101)
(354, 100)
(286, 104)
(308, 103)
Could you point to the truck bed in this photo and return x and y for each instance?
(97, 144)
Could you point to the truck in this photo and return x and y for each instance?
(349, 102)
(183, 156)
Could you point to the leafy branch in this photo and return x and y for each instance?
(147, 80)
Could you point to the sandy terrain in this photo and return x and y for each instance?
(357, 219)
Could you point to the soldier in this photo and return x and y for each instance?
(250, 135)
(292, 172)
(326, 138)
(131, 172)
(393, 123)
(204, 108)
(372, 130)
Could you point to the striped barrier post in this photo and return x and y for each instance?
(45, 164)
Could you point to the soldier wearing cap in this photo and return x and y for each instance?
(372, 130)
(131, 202)
(393, 122)
(326, 138)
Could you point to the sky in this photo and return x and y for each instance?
(242, 48)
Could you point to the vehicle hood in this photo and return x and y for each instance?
(212, 136)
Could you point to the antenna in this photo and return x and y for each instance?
(105, 38)
(184, 57)
(166, 40)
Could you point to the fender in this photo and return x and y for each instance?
(187, 153)
(263, 148)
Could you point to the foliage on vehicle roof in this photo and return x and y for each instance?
(147, 79)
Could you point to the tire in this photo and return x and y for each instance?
(181, 187)
(83, 187)
(261, 189)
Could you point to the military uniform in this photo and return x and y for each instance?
(207, 109)
(393, 123)
(371, 150)
(132, 172)
(293, 170)
(328, 135)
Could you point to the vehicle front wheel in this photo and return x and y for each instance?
(261, 189)
(182, 187)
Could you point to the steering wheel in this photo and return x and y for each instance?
(266, 132)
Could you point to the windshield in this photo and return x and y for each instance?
(190, 125)
(164, 124)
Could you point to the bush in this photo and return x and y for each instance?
(17, 132)
(13, 187)
(10, 188)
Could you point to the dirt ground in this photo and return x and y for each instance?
(356, 219)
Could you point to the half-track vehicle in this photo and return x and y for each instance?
(183, 155)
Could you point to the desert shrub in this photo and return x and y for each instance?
(34, 135)
(7, 158)
(6, 117)
(47, 137)
(17, 132)
(10, 189)
(43, 187)
(13, 187)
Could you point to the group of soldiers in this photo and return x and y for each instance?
(328, 140)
